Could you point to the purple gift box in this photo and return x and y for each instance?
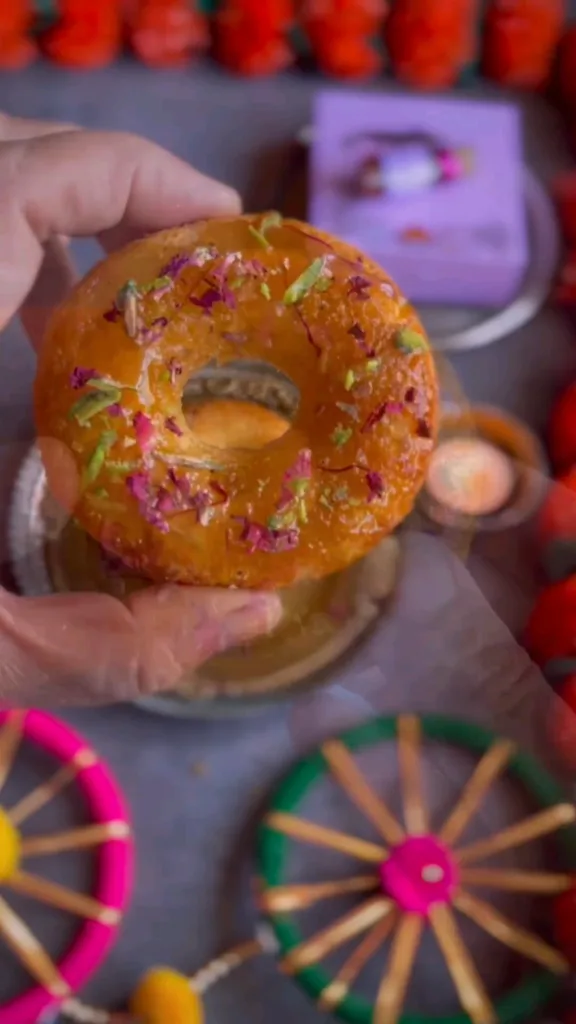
(461, 240)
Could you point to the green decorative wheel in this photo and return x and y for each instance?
(414, 878)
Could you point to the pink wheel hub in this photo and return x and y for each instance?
(419, 873)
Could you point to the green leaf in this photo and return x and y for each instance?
(259, 237)
(93, 402)
(97, 459)
(323, 284)
(341, 435)
(265, 290)
(271, 220)
(304, 284)
(156, 284)
(410, 341)
(130, 288)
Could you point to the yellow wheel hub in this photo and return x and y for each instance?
(164, 996)
(9, 847)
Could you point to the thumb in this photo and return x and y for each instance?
(193, 625)
(52, 650)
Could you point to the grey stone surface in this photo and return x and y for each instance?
(442, 646)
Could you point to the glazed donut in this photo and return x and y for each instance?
(120, 453)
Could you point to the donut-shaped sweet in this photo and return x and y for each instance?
(121, 454)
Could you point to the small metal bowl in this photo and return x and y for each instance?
(519, 443)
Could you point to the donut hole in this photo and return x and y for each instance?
(239, 405)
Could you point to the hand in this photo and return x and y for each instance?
(56, 182)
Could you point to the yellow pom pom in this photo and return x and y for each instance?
(9, 847)
(164, 996)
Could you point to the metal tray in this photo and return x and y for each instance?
(324, 621)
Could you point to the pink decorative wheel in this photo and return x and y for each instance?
(109, 833)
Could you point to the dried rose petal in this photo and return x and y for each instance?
(423, 429)
(171, 424)
(219, 490)
(358, 286)
(138, 485)
(250, 268)
(80, 377)
(165, 501)
(112, 315)
(115, 409)
(410, 395)
(144, 431)
(200, 503)
(359, 335)
(154, 517)
(379, 413)
(174, 369)
(228, 297)
(302, 468)
(176, 265)
(182, 483)
(375, 484)
(309, 335)
(357, 332)
(261, 538)
(209, 299)
(285, 500)
(149, 335)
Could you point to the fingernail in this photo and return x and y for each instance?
(257, 618)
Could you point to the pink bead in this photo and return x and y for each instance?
(419, 873)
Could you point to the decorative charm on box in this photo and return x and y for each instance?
(404, 164)
(109, 832)
(411, 878)
(431, 189)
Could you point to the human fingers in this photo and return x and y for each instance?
(92, 649)
(57, 274)
(12, 128)
(84, 183)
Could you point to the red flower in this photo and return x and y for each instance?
(341, 34)
(88, 34)
(562, 734)
(551, 629)
(520, 41)
(567, 69)
(431, 43)
(562, 430)
(16, 48)
(168, 33)
(251, 36)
